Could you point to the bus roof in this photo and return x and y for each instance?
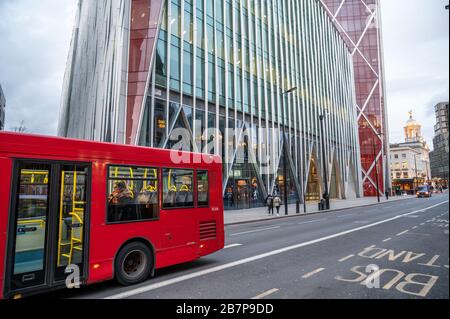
(49, 147)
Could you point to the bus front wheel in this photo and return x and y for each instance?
(134, 264)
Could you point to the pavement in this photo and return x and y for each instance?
(261, 213)
(393, 250)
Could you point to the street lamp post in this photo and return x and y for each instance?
(326, 195)
(286, 210)
(417, 175)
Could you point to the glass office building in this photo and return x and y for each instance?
(359, 22)
(213, 77)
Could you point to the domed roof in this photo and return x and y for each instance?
(412, 121)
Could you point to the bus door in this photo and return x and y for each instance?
(48, 224)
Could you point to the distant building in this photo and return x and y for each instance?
(2, 109)
(410, 161)
(439, 157)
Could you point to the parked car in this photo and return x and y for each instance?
(424, 191)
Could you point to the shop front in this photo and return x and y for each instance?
(242, 190)
(408, 186)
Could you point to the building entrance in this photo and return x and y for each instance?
(313, 186)
(243, 190)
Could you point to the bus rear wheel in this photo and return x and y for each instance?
(134, 264)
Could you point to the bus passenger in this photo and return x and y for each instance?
(121, 194)
(119, 200)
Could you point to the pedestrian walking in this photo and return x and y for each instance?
(269, 203)
(387, 194)
(277, 204)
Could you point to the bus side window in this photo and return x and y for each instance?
(132, 194)
(178, 188)
(202, 189)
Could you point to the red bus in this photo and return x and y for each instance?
(108, 211)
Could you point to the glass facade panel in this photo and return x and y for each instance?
(142, 41)
(160, 125)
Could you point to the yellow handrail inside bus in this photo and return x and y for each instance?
(61, 206)
(27, 172)
(131, 187)
(184, 188)
(172, 188)
(150, 188)
(77, 217)
(77, 214)
(131, 182)
(41, 222)
(33, 173)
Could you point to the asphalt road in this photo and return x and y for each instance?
(389, 251)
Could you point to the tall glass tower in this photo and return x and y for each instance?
(212, 77)
(359, 23)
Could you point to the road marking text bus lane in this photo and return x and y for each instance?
(416, 284)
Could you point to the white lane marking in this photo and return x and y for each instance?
(312, 273)
(415, 227)
(267, 293)
(346, 258)
(412, 216)
(402, 233)
(150, 287)
(387, 239)
(340, 216)
(255, 231)
(232, 246)
(422, 224)
(313, 221)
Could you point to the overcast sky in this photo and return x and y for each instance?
(34, 44)
(416, 51)
(35, 38)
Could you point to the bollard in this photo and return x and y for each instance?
(321, 205)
